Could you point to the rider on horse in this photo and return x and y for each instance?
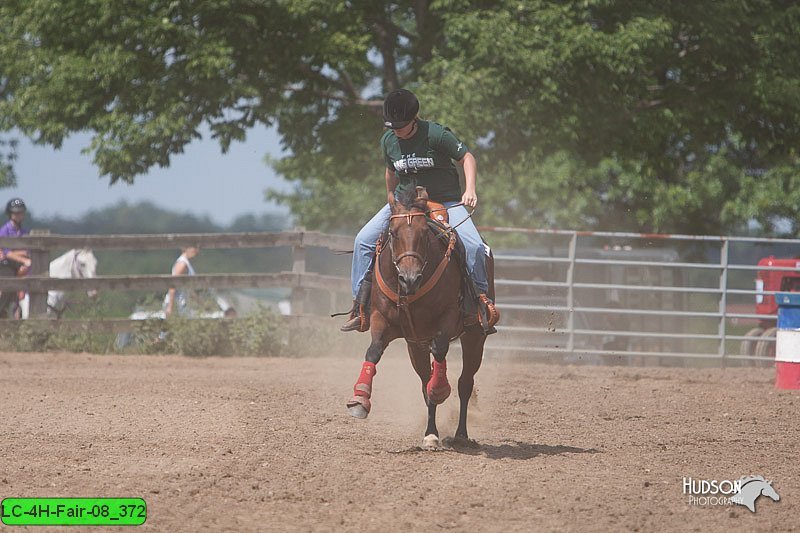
(13, 262)
(419, 152)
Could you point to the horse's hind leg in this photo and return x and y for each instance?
(472, 352)
(420, 355)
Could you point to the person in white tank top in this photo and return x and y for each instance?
(176, 300)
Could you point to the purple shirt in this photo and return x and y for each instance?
(9, 229)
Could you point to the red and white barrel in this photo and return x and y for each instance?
(787, 343)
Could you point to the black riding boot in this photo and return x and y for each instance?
(478, 307)
(359, 315)
(7, 270)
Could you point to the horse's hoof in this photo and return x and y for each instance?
(431, 442)
(359, 407)
(460, 441)
(358, 411)
(439, 394)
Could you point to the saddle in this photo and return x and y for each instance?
(438, 212)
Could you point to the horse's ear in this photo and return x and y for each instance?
(422, 192)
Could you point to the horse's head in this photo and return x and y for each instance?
(409, 240)
(768, 491)
(752, 487)
(85, 266)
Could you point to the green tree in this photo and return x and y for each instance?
(654, 115)
(8, 148)
(667, 116)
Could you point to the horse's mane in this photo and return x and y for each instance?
(63, 258)
(84, 253)
(408, 199)
(62, 265)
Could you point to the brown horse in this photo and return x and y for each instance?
(416, 296)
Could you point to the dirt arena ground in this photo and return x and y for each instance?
(245, 444)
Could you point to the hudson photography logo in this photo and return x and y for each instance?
(743, 491)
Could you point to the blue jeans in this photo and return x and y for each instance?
(364, 247)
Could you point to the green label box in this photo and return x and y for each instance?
(73, 511)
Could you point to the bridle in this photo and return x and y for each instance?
(76, 271)
(423, 260)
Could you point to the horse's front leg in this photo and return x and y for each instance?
(438, 388)
(360, 405)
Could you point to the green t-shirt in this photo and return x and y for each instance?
(427, 157)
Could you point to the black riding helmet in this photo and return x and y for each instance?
(399, 109)
(15, 205)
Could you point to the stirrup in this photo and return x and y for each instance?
(359, 320)
(488, 315)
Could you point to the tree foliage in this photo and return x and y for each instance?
(653, 115)
(669, 116)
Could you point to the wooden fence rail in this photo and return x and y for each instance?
(177, 240)
(123, 325)
(303, 280)
(298, 279)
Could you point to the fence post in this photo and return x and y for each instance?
(298, 266)
(723, 300)
(573, 243)
(40, 266)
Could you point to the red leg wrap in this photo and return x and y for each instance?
(363, 386)
(438, 387)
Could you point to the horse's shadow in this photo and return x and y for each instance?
(512, 449)
(507, 450)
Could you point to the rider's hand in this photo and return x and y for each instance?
(469, 199)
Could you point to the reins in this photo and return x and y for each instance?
(450, 228)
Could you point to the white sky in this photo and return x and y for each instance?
(202, 180)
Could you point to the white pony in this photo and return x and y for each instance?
(76, 263)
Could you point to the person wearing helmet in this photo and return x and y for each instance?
(13, 262)
(418, 153)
